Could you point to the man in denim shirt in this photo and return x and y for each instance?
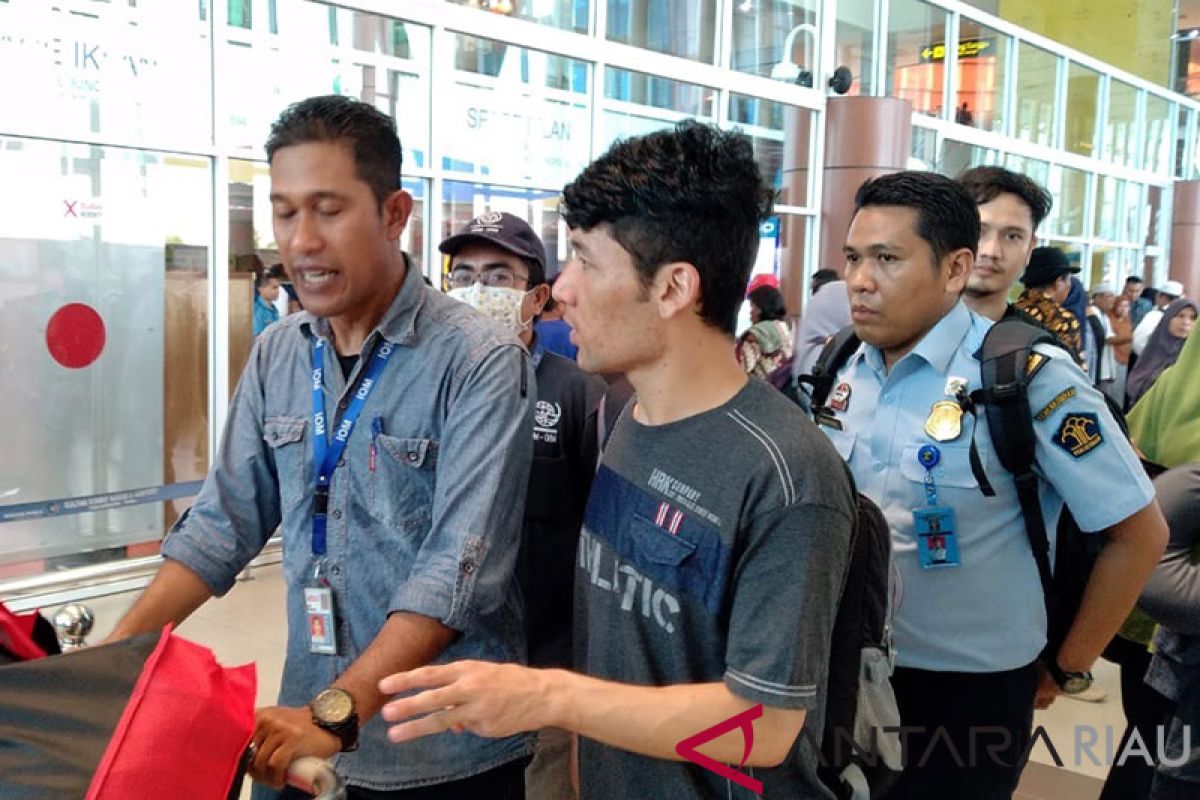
(424, 505)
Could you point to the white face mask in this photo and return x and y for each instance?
(501, 304)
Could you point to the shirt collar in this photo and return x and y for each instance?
(937, 347)
(399, 321)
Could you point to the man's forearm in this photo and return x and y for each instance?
(405, 642)
(1124, 565)
(172, 596)
(652, 720)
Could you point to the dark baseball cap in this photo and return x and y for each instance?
(504, 230)
(1046, 265)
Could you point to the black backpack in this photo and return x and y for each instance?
(1007, 364)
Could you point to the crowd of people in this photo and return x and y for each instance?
(537, 558)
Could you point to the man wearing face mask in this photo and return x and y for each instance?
(498, 266)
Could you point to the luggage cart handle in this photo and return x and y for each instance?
(316, 776)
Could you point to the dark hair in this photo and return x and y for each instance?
(822, 277)
(261, 278)
(985, 184)
(693, 193)
(1133, 279)
(537, 274)
(371, 134)
(769, 302)
(946, 215)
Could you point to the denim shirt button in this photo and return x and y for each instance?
(412, 457)
(335, 570)
(337, 513)
(343, 405)
(468, 567)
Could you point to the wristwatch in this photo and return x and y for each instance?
(1069, 682)
(333, 710)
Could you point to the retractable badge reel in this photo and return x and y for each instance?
(935, 525)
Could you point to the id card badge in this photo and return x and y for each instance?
(322, 628)
(937, 537)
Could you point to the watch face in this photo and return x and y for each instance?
(1076, 684)
(333, 706)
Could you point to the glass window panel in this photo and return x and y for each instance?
(1037, 79)
(773, 128)
(1038, 171)
(982, 67)
(1131, 217)
(325, 50)
(1069, 188)
(104, 265)
(924, 149)
(776, 38)
(1120, 145)
(117, 71)
(854, 43)
(957, 156)
(1158, 215)
(1108, 204)
(522, 114)
(568, 15)
(462, 202)
(916, 55)
(1083, 91)
(684, 28)
(636, 103)
(1157, 141)
(1111, 265)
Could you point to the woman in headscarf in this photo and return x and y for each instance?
(1165, 423)
(1163, 348)
(768, 342)
(827, 313)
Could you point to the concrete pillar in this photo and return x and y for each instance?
(864, 137)
(1185, 237)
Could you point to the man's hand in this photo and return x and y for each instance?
(281, 735)
(1047, 689)
(493, 700)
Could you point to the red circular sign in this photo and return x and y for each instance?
(75, 335)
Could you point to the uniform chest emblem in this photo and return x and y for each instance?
(547, 414)
(840, 400)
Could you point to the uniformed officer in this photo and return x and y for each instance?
(498, 265)
(971, 622)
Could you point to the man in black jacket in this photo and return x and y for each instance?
(497, 265)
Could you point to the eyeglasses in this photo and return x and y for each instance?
(501, 278)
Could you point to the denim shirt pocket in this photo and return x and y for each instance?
(285, 437)
(401, 487)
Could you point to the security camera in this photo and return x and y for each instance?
(841, 80)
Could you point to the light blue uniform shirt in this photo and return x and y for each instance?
(986, 615)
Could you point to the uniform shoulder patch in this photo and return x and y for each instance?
(1034, 364)
(1079, 434)
(1055, 404)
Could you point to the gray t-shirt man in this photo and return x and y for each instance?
(714, 549)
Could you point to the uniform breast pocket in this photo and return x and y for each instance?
(285, 437)
(401, 487)
(953, 468)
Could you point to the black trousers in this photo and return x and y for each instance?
(506, 782)
(1145, 710)
(965, 734)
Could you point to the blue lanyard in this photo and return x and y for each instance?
(325, 454)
